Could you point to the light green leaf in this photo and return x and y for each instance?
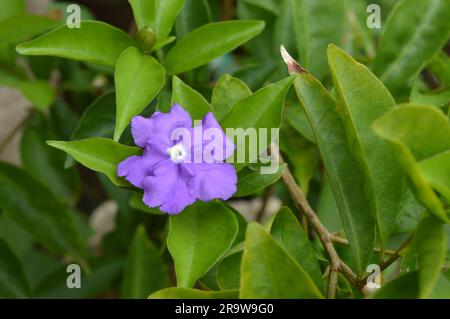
(317, 24)
(417, 132)
(198, 238)
(11, 8)
(267, 270)
(185, 293)
(226, 93)
(201, 45)
(262, 109)
(439, 98)
(99, 154)
(159, 15)
(414, 32)
(13, 281)
(289, 234)
(346, 174)
(24, 26)
(403, 287)
(189, 99)
(145, 271)
(81, 44)
(36, 210)
(431, 244)
(436, 169)
(229, 271)
(138, 78)
(362, 98)
(39, 93)
(251, 180)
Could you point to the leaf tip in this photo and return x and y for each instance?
(293, 66)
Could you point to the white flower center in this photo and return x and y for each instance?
(177, 153)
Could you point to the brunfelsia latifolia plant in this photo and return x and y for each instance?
(191, 117)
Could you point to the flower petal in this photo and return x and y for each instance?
(167, 189)
(213, 133)
(211, 181)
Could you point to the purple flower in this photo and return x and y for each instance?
(180, 163)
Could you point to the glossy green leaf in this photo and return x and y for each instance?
(226, 93)
(99, 154)
(201, 45)
(185, 293)
(145, 271)
(189, 240)
(193, 15)
(317, 24)
(39, 93)
(159, 15)
(267, 270)
(431, 244)
(346, 174)
(22, 27)
(262, 109)
(138, 78)
(414, 32)
(417, 132)
(47, 164)
(403, 287)
(13, 281)
(362, 99)
(192, 101)
(229, 271)
(251, 180)
(36, 210)
(81, 44)
(289, 234)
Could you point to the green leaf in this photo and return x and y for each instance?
(36, 210)
(362, 98)
(138, 78)
(81, 44)
(137, 203)
(251, 180)
(39, 93)
(317, 24)
(414, 32)
(267, 270)
(193, 15)
(431, 244)
(185, 293)
(289, 234)
(403, 287)
(417, 132)
(439, 98)
(11, 8)
(229, 271)
(298, 120)
(159, 15)
(436, 169)
(190, 239)
(98, 154)
(201, 45)
(226, 93)
(346, 174)
(192, 101)
(22, 27)
(272, 6)
(145, 271)
(13, 281)
(47, 164)
(262, 109)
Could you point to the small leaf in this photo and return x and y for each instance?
(192, 101)
(267, 271)
(99, 154)
(252, 180)
(145, 271)
(81, 44)
(198, 238)
(288, 232)
(138, 78)
(414, 32)
(39, 93)
(13, 281)
(228, 91)
(185, 293)
(431, 244)
(201, 45)
(23, 26)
